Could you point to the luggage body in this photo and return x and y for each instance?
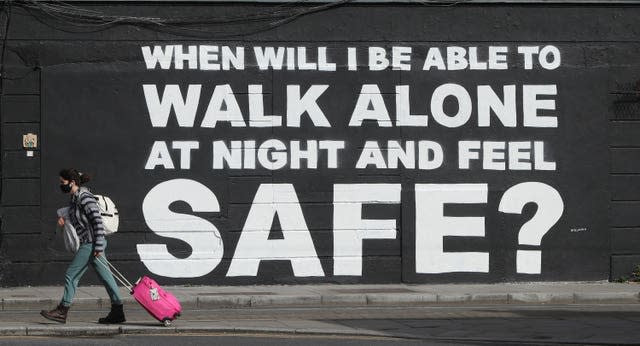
(159, 303)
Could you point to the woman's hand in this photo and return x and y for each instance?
(96, 253)
(60, 221)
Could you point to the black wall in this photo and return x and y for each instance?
(80, 89)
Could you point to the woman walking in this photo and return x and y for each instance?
(84, 214)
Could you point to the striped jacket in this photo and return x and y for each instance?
(84, 214)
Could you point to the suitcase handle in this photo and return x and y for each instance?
(123, 280)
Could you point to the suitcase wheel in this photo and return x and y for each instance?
(166, 322)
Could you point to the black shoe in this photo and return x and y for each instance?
(59, 314)
(116, 315)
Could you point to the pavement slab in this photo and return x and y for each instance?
(199, 297)
(590, 312)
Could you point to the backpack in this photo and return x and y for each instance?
(109, 213)
(71, 241)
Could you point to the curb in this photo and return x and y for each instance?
(356, 300)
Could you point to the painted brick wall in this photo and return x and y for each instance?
(625, 112)
(80, 90)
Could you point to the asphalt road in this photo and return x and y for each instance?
(211, 339)
(469, 325)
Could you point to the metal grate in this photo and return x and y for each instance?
(626, 111)
(626, 101)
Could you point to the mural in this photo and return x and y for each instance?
(464, 144)
(349, 228)
(276, 160)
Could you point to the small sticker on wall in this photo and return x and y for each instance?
(29, 153)
(30, 141)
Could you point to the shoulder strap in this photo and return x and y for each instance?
(82, 194)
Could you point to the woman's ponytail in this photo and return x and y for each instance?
(73, 174)
(84, 178)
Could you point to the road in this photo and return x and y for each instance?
(469, 325)
(215, 339)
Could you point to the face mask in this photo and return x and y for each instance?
(66, 188)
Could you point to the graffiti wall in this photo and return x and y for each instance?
(300, 157)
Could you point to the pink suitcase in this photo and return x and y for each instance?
(159, 303)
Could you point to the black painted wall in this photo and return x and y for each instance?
(80, 89)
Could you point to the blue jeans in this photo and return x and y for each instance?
(79, 266)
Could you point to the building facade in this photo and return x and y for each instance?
(338, 142)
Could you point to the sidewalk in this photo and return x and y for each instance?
(326, 295)
(248, 310)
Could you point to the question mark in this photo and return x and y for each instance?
(550, 209)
